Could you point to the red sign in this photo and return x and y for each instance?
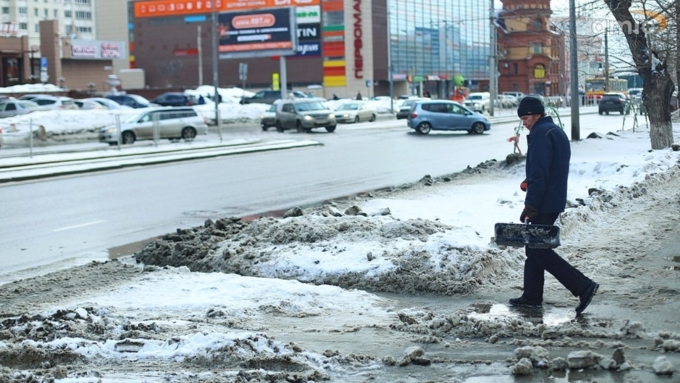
(186, 52)
(358, 41)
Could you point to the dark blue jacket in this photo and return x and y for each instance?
(547, 167)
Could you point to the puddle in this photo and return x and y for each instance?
(129, 248)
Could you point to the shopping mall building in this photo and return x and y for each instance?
(345, 46)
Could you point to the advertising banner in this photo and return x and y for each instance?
(98, 50)
(267, 32)
(165, 8)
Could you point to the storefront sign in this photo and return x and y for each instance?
(257, 33)
(309, 49)
(97, 50)
(308, 15)
(165, 8)
(358, 41)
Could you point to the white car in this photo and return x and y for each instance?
(52, 102)
(173, 123)
(89, 105)
(478, 101)
(354, 112)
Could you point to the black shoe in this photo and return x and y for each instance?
(521, 301)
(587, 296)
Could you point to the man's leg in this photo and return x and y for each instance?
(534, 278)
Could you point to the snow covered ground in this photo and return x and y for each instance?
(205, 294)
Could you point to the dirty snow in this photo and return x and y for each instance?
(312, 297)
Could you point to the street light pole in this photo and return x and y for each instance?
(493, 67)
(216, 97)
(200, 56)
(606, 61)
(575, 123)
(390, 68)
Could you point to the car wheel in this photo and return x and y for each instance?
(600, 112)
(331, 129)
(621, 111)
(298, 126)
(356, 119)
(188, 134)
(372, 118)
(265, 127)
(113, 143)
(128, 137)
(279, 128)
(477, 128)
(607, 113)
(424, 128)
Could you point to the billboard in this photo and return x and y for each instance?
(267, 32)
(165, 8)
(98, 50)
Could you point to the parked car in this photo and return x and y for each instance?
(108, 103)
(506, 101)
(52, 102)
(304, 115)
(131, 100)
(173, 123)
(174, 99)
(517, 95)
(268, 96)
(405, 107)
(612, 102)
(268, 118)
(355, 112)
(29, 97)
(635, 93)
(89, 105)
(426, 116)
(478, 101)
(11, 107)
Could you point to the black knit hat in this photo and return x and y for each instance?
(530, 106)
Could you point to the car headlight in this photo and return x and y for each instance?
(308, 118)
(333, 116)
(262, 117)
(111, 130)
(346, 115)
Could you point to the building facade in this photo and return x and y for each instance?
(345, 46)
(531, 50)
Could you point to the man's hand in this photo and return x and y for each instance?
(524, 185)
(529, 213)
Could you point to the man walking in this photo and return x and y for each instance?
(547, 170)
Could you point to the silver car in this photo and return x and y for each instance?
(11, 108)
(173, 123)
(355, 112)
(303, 115)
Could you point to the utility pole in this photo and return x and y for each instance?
(200, 56)
(493, 67)
(216, 96)
(677, 44)
(575, 123)
(606, 61)
(390, 68)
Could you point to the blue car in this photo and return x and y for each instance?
(426, 116)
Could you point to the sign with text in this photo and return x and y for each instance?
(165, 8)
(267, 32)
(98, 50)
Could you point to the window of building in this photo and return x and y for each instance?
(23, 26)
(515, 87)
(82, 1)
(46, 12)
(82, 15)
(35, 11)
(67, 13)
(56, 13)
(5, 10)
(67, 29)
(23, 10)
(515, 69)
(536, 48)
(84, 29)
(37, 28)
(537, 25)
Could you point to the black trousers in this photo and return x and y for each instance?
(540, 260)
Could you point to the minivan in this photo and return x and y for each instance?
(173, 123)
(303, 115)
(426, 116)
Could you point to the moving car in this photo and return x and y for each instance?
(268, 118)
(635, 93)
(612, 102)
(405, 107)
(478, 101)
(131, 100)
(304, 115)
(11, 107)
(173, 99)
(52, 102)
(426, 116)
(354, 112)
(173, 123)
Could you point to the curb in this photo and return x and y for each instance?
(144, 159)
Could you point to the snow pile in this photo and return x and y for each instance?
(32, 88)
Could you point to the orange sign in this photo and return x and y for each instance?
(162, 8)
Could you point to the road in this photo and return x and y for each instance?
(60, 222)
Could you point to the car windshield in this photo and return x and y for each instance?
(135, 117)
(139, 99)
(475, 97)
(28, 104)
(272, 108)
(348, 107)
(43, 101)
(408, 103)
(309, 106)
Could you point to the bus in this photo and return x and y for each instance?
(595, 87)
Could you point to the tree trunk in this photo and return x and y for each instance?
(658, 85)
